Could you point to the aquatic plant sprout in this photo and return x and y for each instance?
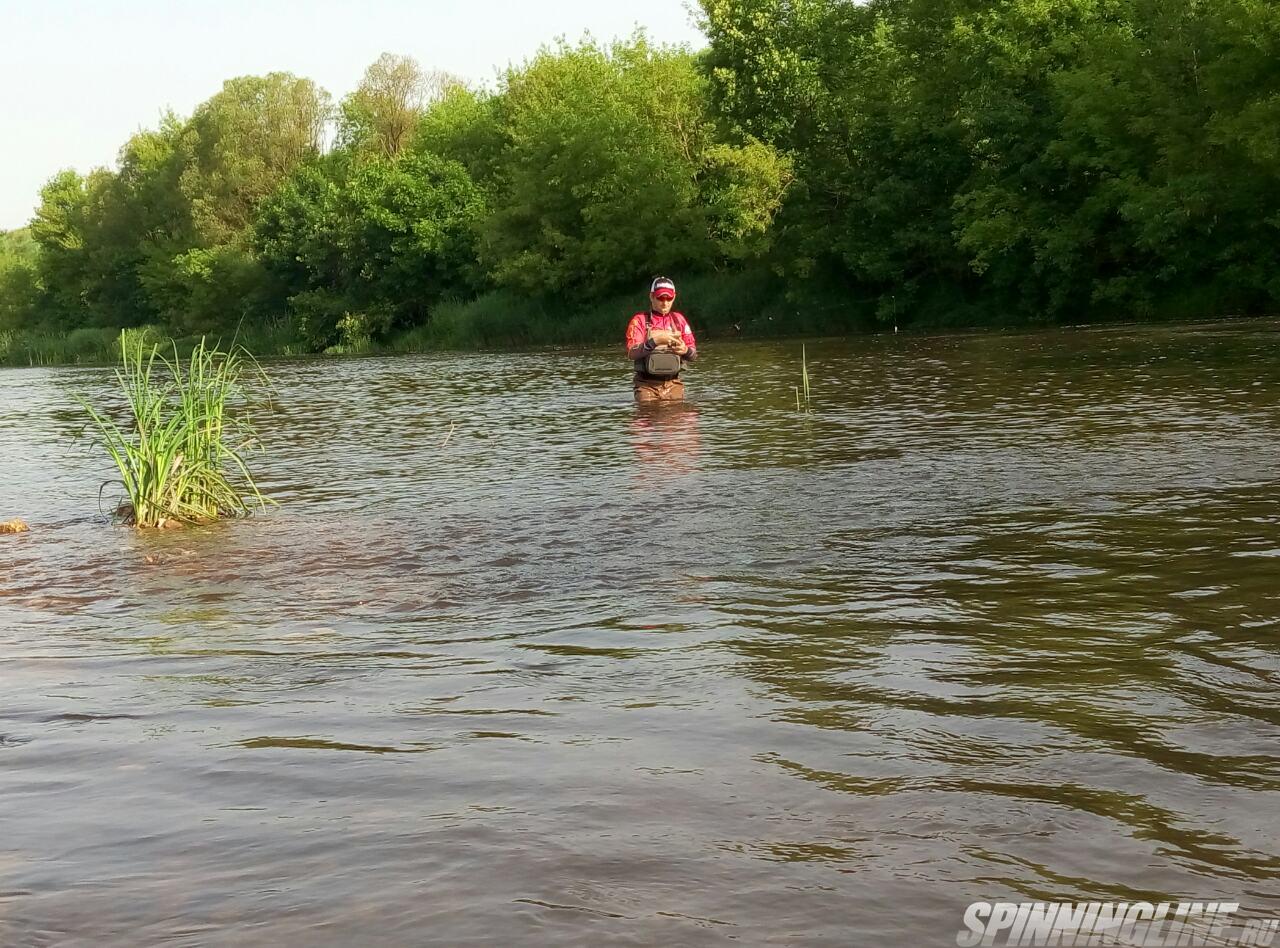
(802, 390)
(182, 458)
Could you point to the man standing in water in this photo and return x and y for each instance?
(660, 343)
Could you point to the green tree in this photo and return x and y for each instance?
(380, 117)
(860, 99)
(1120, 170)
(774, 64)
(609, 161)
(411, 233)
(374, 243)
(105, 237)
(244, 142)
(1017, 159)
(59, 228)
(20, 287)
(467, 126)
(144, 221)
(742, 188)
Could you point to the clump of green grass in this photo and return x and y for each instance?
(181, 460)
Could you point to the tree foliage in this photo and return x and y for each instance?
(20, 288)
(960, 161)
(244, 142)
(375, 243)
(612, 169)
(1022, 159)
(380, 117)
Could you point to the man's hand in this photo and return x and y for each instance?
(679, 346)
(663, 337)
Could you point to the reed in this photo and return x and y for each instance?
(181, 459)
(802, 390)
(804, 375)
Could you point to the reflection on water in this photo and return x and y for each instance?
(997, 621)
(666, 439)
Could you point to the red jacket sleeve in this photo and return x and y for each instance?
(636, 335)
(686, 333)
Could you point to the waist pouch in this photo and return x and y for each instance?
(663, 365)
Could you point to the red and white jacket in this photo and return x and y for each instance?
(638, 334)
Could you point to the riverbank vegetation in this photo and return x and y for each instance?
(180, 450)
(821, 166)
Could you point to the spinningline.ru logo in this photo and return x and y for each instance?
(1141, 924)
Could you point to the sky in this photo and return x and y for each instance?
(77, 79)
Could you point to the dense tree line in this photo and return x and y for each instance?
(1019, 160)
(942, 161)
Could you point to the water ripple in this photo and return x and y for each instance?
(516, 661)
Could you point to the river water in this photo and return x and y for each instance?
(999, 619)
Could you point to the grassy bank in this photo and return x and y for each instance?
(750, 305)
(753, 304)
(102, 346)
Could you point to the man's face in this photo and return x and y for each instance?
(661, 305)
